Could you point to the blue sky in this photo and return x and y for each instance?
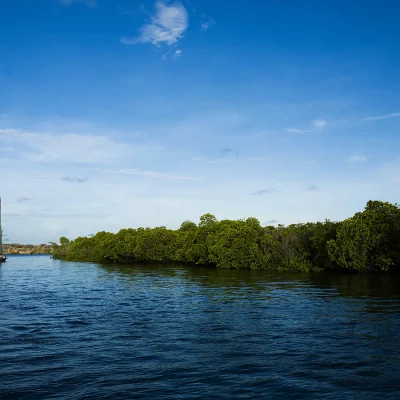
(142, 113)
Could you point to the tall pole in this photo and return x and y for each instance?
(1, 233)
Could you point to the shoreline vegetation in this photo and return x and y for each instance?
(15, 248)
(368, 241)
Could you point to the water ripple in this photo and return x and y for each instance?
(85, 331)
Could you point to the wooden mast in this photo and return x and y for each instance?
(2, 256)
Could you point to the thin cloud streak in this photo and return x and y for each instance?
(296, 130)
(89, 3)
(152, 174)
(33, 214)
(316, 124)
(379, 117)
(358, 158)
(70, 147)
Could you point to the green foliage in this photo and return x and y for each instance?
(235, 245)
(64, 241)
(370, 240)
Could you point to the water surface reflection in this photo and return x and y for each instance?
(73, 330)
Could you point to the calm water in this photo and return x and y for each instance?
(82, 331)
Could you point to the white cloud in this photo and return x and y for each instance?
(167, 26)
(378, 117)
(358, 158)
(316, 124)
(296, 130)
(172, 55)
(319, 123)
(69, 148)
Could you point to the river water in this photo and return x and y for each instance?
(86, 331)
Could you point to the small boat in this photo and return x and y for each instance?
(3, 257)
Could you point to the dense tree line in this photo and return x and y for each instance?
(370, 240)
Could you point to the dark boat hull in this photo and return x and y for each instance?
(3, 258)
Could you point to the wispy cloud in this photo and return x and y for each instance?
(271, 222)
(358, 158)
(378, 117)
(263, 192)
(172, 55)
(319, 123)
(133, 184)
(167, 26)
(296, 130)
(90, 3)
(212, 160)
(315, 124)
(6, 131)
(219, 160)
(152, 174)
(293, 106)
(44, 147)
(51, 215)
(207, 24)
(73, 180)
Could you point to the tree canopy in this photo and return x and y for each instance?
(370, 240)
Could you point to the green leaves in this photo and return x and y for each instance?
(63, 241)
(234, 245)
(370, 240)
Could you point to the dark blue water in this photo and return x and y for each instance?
(84, 331)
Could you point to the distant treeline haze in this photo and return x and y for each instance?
(14, 248)
(368, 241)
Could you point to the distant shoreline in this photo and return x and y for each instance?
(27, 249)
